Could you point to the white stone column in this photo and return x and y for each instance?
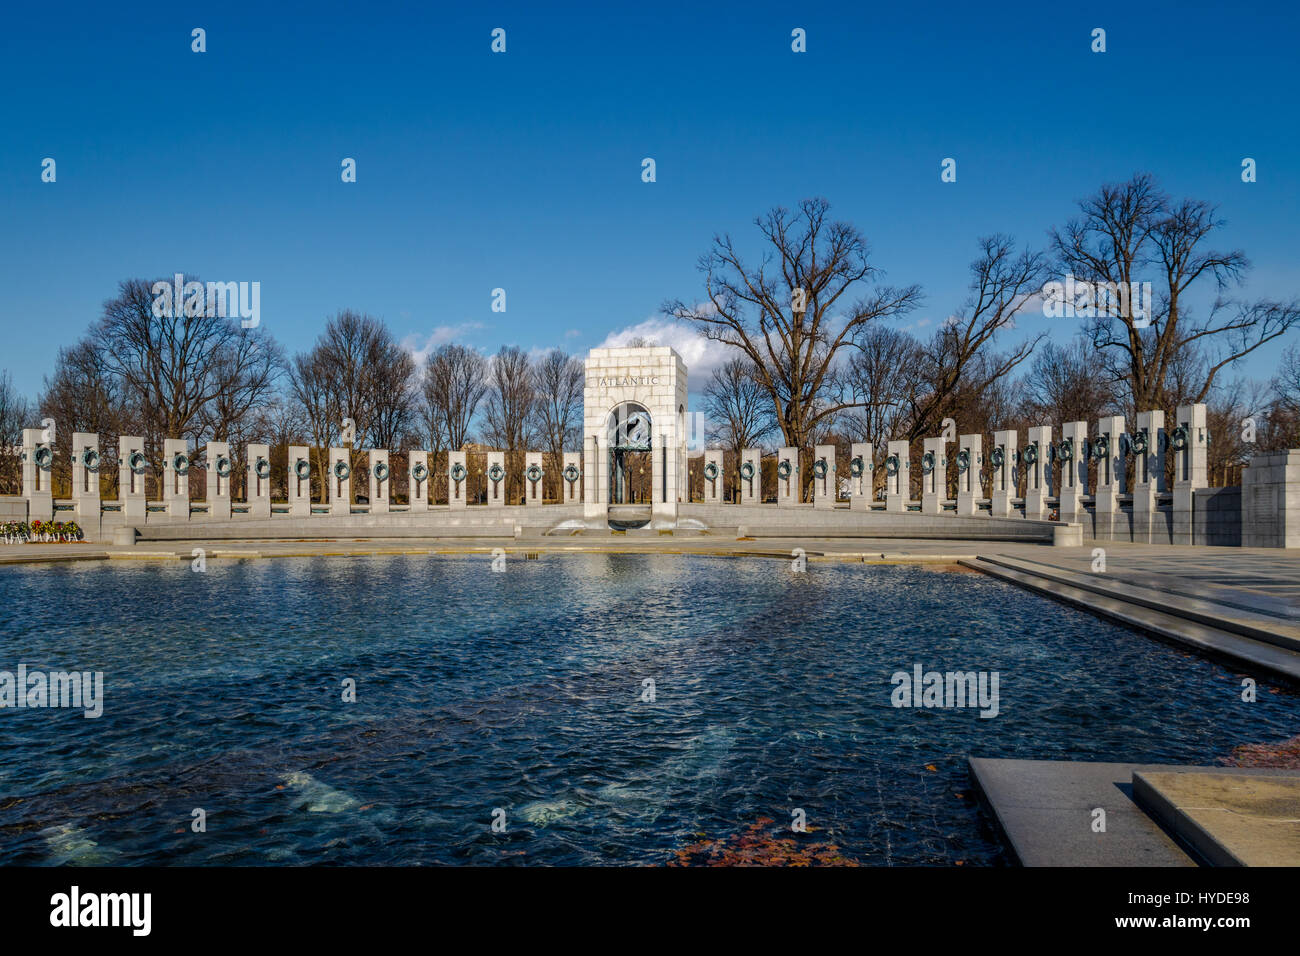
(1004, 459)
(571, 479)
(595, 493)
(85, 482)
(176, 477)
(534, 472)
(934, 475)
(1108, 452)
(1037, 461)
(669, 475)
(38, 464)
(1148, 446)
(862, 468)
(787, 484)
(1072, 453)
(496, 479)
(258, 482)
(380, 481)
(417, 475)
(1189, 444)
(457, 479)
(299, 481)
(970, 459)
(713, 459)
(898, 485)
(220, 468)
(131, 469)
(825, 486)
(751, 476)
(339, 481)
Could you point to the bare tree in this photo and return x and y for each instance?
(83, 396)
(737, 408)
(171, 361)
(791, 314)
(246, 377)
(885, 373)
(508, 419)
(320, 415)
(15, 414)
(958, 357)
(1132, 232)
(1066, 384)
(455, 381)
(369, 376)
(557, 411)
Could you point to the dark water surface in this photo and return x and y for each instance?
(523, 691)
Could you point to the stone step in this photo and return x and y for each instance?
(1257, 627)
(1241, 818)
(1275, 661)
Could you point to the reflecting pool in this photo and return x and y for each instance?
(603, 709)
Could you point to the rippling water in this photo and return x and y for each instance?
(523, 691)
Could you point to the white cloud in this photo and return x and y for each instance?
(421, 347)
(572, 334)
(701, 355)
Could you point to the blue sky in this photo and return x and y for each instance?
(522, 170)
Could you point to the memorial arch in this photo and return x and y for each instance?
(634, 440)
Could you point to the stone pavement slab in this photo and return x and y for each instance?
(1229, 819)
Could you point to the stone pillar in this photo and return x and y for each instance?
(1148, 447)
(339, 481)
(1004, 461)
(934, 476)
(669, 474)
(457, 479)
(496, 479)
(898, 485)
(1037, 462)
(176, 477)
(1108, 452)
(220, 468)
(751, 476)
(787, 484)
(417, 474)
(38, 464)
(825, 487)
(258, 483)
(299, 481)
(862, 469)
(1270, 501)
(594, 477)
(131, 486)
(713, 476)
(1072, 453)
(381, 480)
(571, 479)
(1188, 442)
(970, 459)
(85, 482)
(534, 472)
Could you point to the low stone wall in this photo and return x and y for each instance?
(441, 522)
(773, 520)
(1216, 517)
(1216, 520)
(1270, 502)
